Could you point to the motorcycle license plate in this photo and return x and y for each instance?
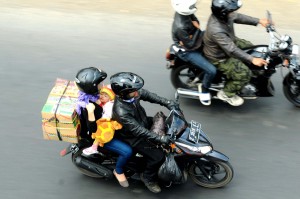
(194, 133)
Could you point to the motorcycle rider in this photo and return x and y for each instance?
(88, 81)
(128, 111)
(187, 36)
(223, 48)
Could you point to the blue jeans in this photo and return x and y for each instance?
(198, 60)
(124, 151)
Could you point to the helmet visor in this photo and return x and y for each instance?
(235, 5)
(193, 7)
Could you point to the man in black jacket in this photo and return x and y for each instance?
(223, 48)
(187, 36)
(128, 111)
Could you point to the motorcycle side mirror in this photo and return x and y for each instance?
(269, 17)
(270, 26)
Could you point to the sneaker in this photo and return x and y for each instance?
(192, 83)
(152, 186)
(233, 101)
(89, 151)
(204, 97)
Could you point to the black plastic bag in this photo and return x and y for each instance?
(169, 170)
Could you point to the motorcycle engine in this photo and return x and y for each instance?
(249, 90)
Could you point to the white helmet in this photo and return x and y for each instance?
(184, 7)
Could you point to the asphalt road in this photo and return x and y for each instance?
(41, 41)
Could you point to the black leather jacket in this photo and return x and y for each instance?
(184, 30)
(219, 38)
(87, 127)
(134, 119)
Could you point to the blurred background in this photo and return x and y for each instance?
(45, 40)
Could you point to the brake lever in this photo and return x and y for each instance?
(266, 65)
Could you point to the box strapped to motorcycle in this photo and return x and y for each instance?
(60, 120)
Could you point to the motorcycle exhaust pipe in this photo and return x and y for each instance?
(93, 167)
(188, 93)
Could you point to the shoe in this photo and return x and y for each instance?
(192, 83)
(89, 151)
(122, 179)
(152, 186)
(204, 97)
(233, 101)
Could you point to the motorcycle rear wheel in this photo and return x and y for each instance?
(214, 170)
(183, 75)
(291, 90)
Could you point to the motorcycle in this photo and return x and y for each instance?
(280, 53)
(192, 150)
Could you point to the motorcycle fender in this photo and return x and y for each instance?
(216, 156)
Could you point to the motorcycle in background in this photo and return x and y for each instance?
(280, 53)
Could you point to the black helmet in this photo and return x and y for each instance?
(221, 8)
(87, 79)
(124, 83)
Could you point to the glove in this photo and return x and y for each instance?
(165, 139)
(171, 104)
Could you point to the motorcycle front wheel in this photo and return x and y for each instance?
(183, 76)
(291, 89)
(211, 174)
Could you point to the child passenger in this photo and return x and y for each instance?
(107, 127)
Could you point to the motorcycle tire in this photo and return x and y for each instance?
(213, 170)
(182, 75)
(291, 89)
(84, 171)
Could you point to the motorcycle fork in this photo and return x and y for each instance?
(201, 166)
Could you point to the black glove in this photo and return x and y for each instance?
(165, 139)
(171, 104)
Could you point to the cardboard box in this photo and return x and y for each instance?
(64, 113)
(59, 117)
(60, 124)
(64, 87)
(61, 134)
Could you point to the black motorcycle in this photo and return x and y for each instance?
(280, 53)
(191, 148)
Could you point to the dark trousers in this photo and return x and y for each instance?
(197, 59)
(154, 158)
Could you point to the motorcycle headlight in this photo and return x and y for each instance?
(294, 60)
(205, 149)
(295, 50)
(200, 149)
(287, 39)
(283, 45)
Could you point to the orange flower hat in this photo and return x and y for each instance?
(108, 91)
